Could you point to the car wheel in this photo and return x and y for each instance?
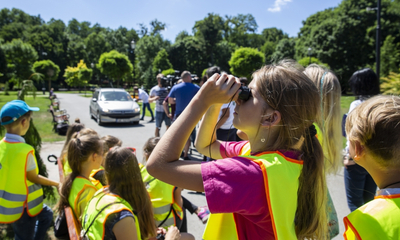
(99, 119)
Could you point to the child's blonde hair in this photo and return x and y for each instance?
(329, 120)
(12, 125)
(375, 123)
(285, 88)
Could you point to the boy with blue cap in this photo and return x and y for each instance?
(21, 194)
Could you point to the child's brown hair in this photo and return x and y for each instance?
(124, 178)
(149, 146)
(285, 88)
(375, 123)
(79, 151)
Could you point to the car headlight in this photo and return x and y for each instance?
(137, 109)
(105, 110)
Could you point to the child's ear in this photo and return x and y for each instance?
(271, 119)
(359, 150)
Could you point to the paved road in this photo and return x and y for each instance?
(136, 135)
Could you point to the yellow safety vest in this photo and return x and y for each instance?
(95, 182)
(222, 225)
(99, 201)
(16, 191)
(162, 199)
(378, 219)
(78, 185)
(277, 171)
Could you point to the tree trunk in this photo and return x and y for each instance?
(49, 84)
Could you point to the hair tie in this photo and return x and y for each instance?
(311, 131)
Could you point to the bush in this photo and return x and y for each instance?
(245, 61)
(306, 61)
(391, 84)
(168, 72)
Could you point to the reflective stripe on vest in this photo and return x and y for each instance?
(99, 200)
(162, 197)
(15, 190)
(378, 219)
(78, 185)
(281, 171)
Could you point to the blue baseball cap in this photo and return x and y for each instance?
(15, 109)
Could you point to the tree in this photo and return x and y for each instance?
(344, 37)
(210, 30)
(284, 49)
(19, 56)
(273, 35)
(48, 68)
(268, 49)
(78, 76)
(390, 57)
(161, 61)
(245, 61)
(240, 29)
(146, 50)
(115, 65)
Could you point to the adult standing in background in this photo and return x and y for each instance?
(145, 103)
(181, 94)
(158, 93)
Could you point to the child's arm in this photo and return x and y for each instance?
(39, 179)
(163, 163)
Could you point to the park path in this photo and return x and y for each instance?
(136, 135)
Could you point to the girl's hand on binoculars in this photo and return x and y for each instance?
(220, 89)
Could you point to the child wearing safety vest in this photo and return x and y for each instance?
(98, 174)
(85, 153)
(21, 194)
(73, 128)
(279, 191)
(166, 199)
(121, 210)
(373, 130)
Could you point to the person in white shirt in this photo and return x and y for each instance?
(145, 103)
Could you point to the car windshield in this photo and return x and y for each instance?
(115, 96)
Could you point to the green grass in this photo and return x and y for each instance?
(42, 119)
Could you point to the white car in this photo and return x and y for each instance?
(113, 105)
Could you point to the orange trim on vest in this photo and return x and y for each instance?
(264, 172)
(388, 196)
(119, 210)
(174, 202)
(79, 193)
(281, 154)
(347, 224)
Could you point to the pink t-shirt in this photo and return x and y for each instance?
(236, 185)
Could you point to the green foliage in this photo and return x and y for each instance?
(204, 72)
(391, 84)
(210, 31)
(78, 76)
(188, 54)
(168, 72)
(161, 61)
(306, 61)
(284, 49)
(390, 56)
(48, 68)
(268, 49)
(115, 65)
(273, 35)
(245, 61)
(344, 37)
(19, 56)
(27, 86)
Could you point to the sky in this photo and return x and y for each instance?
(179, 15)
